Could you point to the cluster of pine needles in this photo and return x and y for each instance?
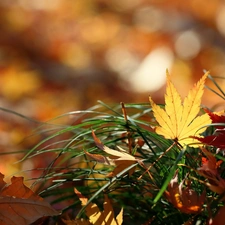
(149, 180)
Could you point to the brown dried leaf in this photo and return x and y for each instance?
(20, 205)
(120, 158)
(100, 158)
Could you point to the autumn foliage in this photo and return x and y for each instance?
(156, 161)
(158, 164)
(20, 205)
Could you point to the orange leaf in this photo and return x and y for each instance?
(179, 121)
(184, 198)
(20, 205)
(209, 166)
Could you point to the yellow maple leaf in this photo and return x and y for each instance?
(179, 121)
(105, 217)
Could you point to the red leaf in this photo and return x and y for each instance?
(209, 170)
(214, 140)
(210, 164)
(216, 118)
(20, 205)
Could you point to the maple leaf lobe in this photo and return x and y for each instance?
(179, 121)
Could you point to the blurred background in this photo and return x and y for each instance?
(58, 56)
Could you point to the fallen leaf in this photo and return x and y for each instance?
(20, 205)
(184, 198)
(216, 184)
(100, 158)
(118, 158)
(179, 121)
(105, 217)
(216, 117)
(216, 140)
(209, 170)
(210, 164)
